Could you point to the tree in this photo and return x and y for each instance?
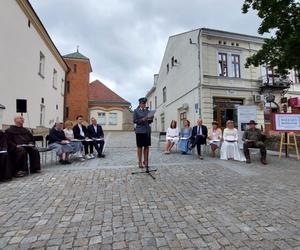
(282, 50)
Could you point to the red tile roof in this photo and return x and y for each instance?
(99, 92)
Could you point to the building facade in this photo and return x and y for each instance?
(77, 86)
(31, 67)
(202, 74)
(110, 110)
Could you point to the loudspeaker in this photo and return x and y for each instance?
(21, 106)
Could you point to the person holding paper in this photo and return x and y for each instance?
(95, 132)
(172, 136)
(74, 143)
(59, 143)
(20, 143)
(142, 119)
(198, 138)
(214, 137)
(81, 133)
(254, 138)
(230, 149)
(185, 134)
(6, 169)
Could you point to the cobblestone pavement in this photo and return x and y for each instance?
(193, 204)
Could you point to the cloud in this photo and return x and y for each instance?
(125, 39)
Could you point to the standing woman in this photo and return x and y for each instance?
(142, 131)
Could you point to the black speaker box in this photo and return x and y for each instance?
(21, 106)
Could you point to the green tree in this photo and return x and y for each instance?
(281, 17)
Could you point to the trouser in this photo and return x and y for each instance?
(6, 169)
(258, 144)
(198, 141)
(87, 145)
(99, 146)
(20, 156)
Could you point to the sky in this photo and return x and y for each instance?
(125, 39)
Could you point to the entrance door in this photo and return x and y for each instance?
(226, 109)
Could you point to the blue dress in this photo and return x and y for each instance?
(184, 140)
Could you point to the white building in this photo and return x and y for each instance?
(202, 74)
(31, 67)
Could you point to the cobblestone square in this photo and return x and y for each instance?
(192, 204)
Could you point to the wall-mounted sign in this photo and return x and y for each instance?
(286, 122)
(245, 114)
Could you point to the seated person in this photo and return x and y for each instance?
(95, 132)
(20, 144)
(198, 138)
(254, 138)
(172, 136)
(59, 143)
(186, 133)
(76, 145)
(6, 170)
(214, 137)
(230, 149)
(81, 133)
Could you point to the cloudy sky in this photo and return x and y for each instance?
(125, 39)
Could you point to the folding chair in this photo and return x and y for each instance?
(43, 150)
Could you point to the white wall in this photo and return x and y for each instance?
(94, 113)
(181, 82)
(20, 48)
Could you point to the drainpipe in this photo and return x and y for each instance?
(199, 45)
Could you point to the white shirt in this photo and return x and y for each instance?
(69, 134)
(81, 131)
(199, 130)
(95, 128)
(172, 132)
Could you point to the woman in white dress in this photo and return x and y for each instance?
(172, 137)
(230, 149)
(214, 137)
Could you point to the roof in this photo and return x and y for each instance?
(76, 55)
(101, 93)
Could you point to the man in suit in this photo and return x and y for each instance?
(81, 133)
(95, 132)
(199, 135)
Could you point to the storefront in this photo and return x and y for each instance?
(226, 109)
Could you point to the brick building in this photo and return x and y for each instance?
(77, 86)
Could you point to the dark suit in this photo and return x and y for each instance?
(86, 144)
(96, 134)
(199, 139)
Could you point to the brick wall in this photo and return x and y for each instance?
(77, 98)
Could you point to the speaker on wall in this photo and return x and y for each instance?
(21, 106)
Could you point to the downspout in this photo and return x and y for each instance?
(199, 46)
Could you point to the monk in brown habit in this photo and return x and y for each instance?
(21, 144)
(6, 170)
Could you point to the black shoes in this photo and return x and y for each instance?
(101, 155)
(63, 162)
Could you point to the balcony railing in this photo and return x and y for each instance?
(272, 81)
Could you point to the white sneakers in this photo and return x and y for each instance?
(90, 156)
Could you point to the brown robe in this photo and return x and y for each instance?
(18, 155)
(6, 170)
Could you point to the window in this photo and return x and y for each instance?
(112, 120)
(68, 86)
(101, 118)
(62, 87)
(297, 76)
(235, 66)
(75, 68)
(67, 112)
(164, 94)
(223, 70)
(56, 107)
(150, 105)
(54, 79)
(42, 115)
(172, 61)
(42, 65)
(182, 119)
(168, 68)
(155, 102)
(162, 122)
(28, 23)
